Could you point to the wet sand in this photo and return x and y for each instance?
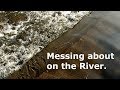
(99, 32)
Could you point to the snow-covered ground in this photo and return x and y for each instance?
(21, 40)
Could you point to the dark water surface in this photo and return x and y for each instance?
(99, 32)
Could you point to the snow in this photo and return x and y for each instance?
(31, 36)
(1, 34)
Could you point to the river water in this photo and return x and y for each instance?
(25, 33)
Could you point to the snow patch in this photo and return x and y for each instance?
(22, 41)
